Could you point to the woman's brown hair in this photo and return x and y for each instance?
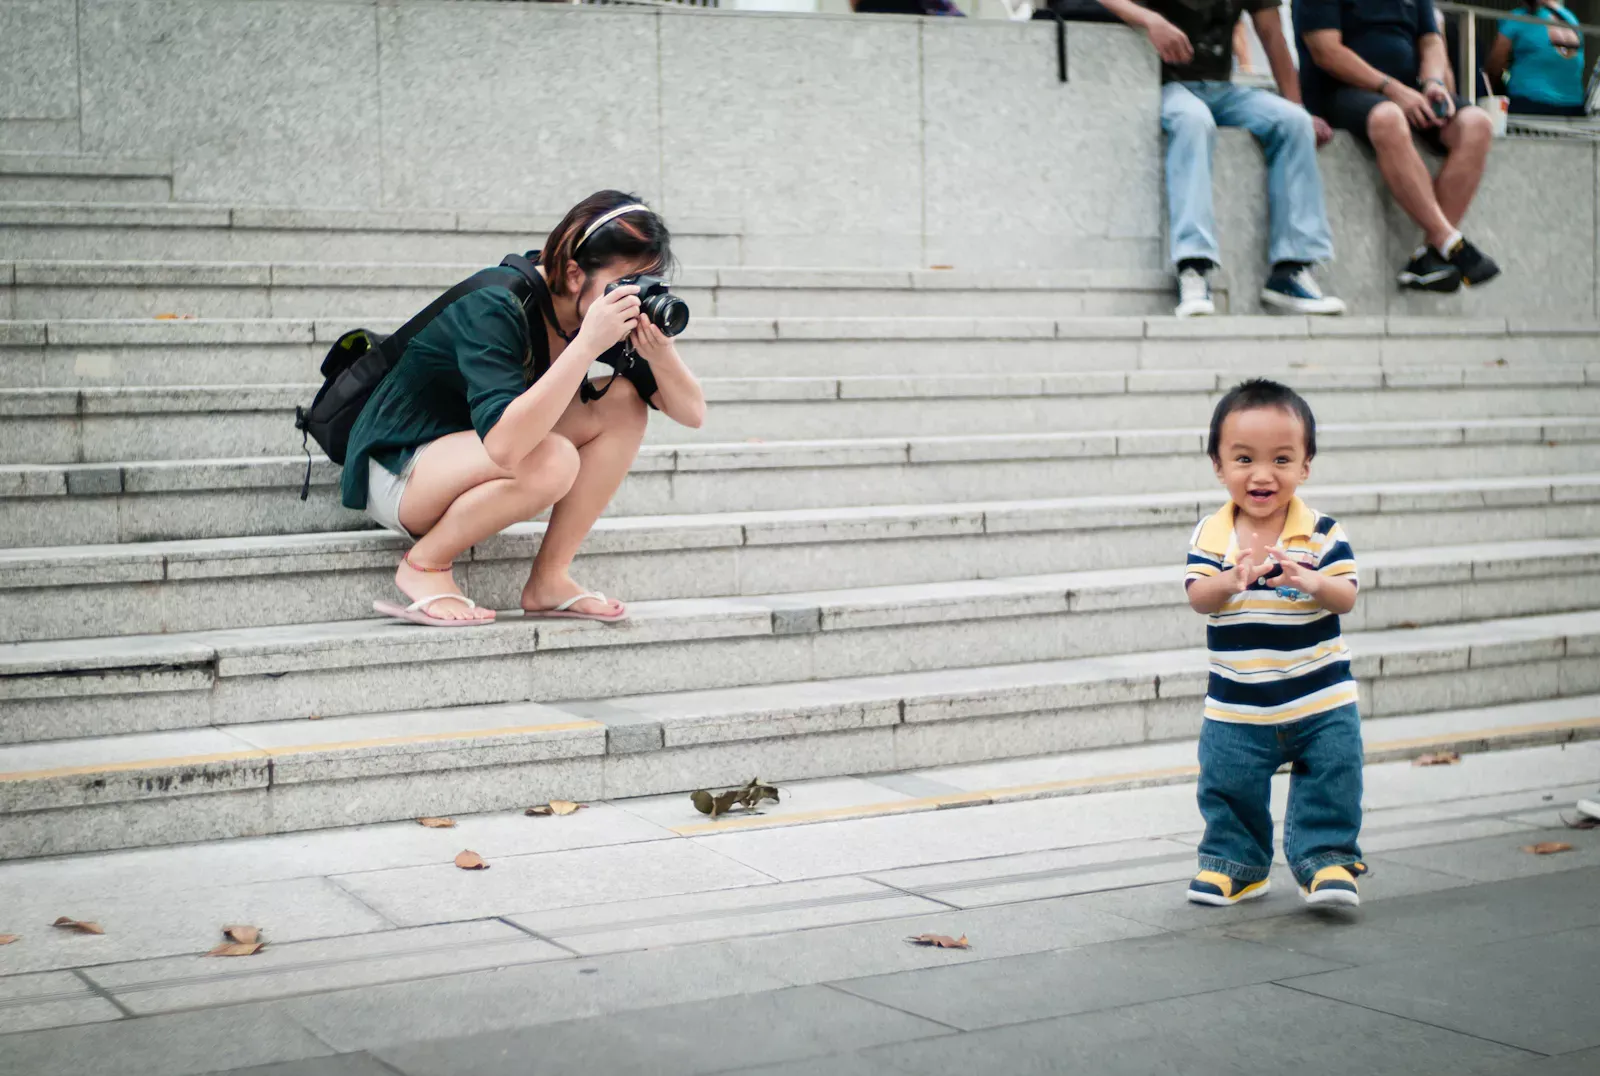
(632, 236)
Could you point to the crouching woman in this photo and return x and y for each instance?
(488, 419)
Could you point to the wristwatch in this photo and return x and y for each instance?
(1384, 84)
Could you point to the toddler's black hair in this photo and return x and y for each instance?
(1256, 393)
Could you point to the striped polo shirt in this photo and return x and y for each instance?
(1275, 656)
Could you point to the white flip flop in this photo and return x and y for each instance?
(564, 610)
(417, 612)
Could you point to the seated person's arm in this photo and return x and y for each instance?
(1171, 43)
(1328, 52)
(1434, 61)
(1499, 59)
(1269, 28)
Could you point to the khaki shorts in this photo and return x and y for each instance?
(384, 491)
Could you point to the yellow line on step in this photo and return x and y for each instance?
(294, 749)
(922, 803)
(1107, 782)
(433, 737)
(138, 764)
(1504, 732)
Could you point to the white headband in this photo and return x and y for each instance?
(601, 222)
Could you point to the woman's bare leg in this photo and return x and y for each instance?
(607, 434)
(457, 496)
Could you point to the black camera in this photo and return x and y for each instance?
(665, 310)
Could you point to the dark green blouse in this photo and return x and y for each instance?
(458, 374)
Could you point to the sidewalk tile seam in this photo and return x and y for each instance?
(1289, 984)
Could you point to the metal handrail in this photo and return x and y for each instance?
(1467, 42)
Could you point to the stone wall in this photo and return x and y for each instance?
(824, 140)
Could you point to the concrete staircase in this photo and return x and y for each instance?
(934, 517)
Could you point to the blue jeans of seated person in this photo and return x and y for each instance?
(1323, 822)
(1191, 112)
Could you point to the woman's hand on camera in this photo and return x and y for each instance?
(611, 317)
(650, 342)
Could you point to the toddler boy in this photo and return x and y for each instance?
(1272, 575)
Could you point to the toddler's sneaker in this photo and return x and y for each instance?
(1194, 295)
(1334, 885)
(1213, 887)
(1292, 289)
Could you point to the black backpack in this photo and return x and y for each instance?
(361, 358)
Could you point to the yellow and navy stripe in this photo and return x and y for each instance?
(1275, 655)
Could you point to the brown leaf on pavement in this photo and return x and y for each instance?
(561, 807)
(748, 796)
(471, 861)
(1438, 758)
(237, 949)
(7, 939)
(941, 941)
(1409, 625)
(1547, 848)
(68, 923)
(242, 934)
(437, 823)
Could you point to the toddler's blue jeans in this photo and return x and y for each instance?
(1323, 822)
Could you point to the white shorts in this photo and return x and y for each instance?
(384, 491)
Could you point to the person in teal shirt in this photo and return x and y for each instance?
(1541, 64)
(486, 420)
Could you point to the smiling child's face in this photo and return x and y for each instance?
(1263, 460)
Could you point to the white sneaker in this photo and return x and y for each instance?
(1298, 293)
(1194, 295)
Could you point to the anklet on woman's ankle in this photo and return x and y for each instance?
(414, 566)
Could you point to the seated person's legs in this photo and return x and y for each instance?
(1465, 140)
(1298, 215)
(1446, 260)
(1191, 138)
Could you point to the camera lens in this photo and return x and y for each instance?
(670, 313)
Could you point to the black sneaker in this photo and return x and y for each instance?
(1429, 271)
(1476, 267)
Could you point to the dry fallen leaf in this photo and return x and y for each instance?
(313, 717)
(941, 941)
(562, 807)
(748, 796)
(471, 861)
(236, 949)
(68, 923)
(174, 317)
(1409, 625)
(437, 823)
(941, 267)
(7, 939)
(242, 934)
(1547, 848)
(1438, 758)
(1583, 821)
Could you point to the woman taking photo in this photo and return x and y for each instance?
(487, 419)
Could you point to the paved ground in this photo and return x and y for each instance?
(628, 939)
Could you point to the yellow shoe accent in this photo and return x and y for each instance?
(1332, 885)
(1215, 888)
